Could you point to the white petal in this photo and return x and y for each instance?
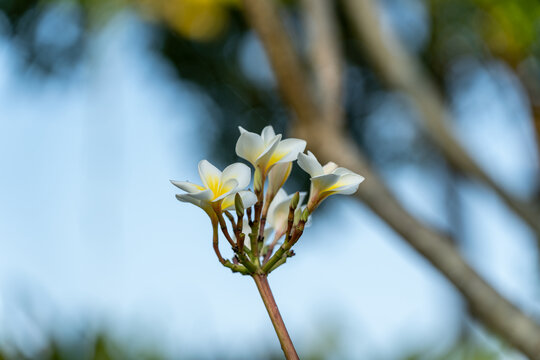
(280, 196)
(228, 187)
(342, 171)
(210, 175)
(288, 150)
(265, 156)
(346, 190)
(278, 175)
(188, 198)
(187, 186)
(205, 195)
(246, 229)
(309, 164)
(269, 148)
(330, 168)
(267, 233)
(301, 197)
(347, 184)
(277, 218)
(268, 134)
(278, 211)
(238, 171)
(242, 130)
(249, 146)
(321, 183)
(278, 199)
(248, 199)
(228, 202)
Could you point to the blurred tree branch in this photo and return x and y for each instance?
(326, 57)
(402, 71)
(329, 142)
(283, 58)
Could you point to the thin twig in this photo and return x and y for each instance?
(215, 244)
(231, 218)
(241, 256)
(224, 229)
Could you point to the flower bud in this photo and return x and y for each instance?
(305, 215)
(277, 177)
(295, 199)
(239, 205)
(258, 182)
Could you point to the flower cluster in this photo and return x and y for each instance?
(267, 210)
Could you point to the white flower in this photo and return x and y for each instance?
(327, 180)
(277, 177)
(278, 212)
(218, 187)
(266, 150)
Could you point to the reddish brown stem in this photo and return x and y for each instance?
(224, 230)
(273, 311)
(270, 250)
(215, 241)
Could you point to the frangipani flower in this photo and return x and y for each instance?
(327, 180)
(278, 212)
(218, 187)
(277, 177)
(265, 150)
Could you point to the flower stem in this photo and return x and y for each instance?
(273, 311)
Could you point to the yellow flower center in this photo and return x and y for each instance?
(218, 189)
(276, 156)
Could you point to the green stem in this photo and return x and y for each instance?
(276, 257)
(215, 243)
(282, 251)
(273, 311)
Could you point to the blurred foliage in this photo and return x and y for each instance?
(508, 30)
(216, 68)
(209, 45)
(201, 20)
(103, 346)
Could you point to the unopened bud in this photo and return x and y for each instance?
(305, 215)
(258, 183)
(295, 199)
(239, 205)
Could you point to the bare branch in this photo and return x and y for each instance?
(488, 306)
(287, 68)
(403, 72)
(326, 57)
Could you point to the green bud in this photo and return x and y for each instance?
(295, 199)
(305, 215)
(239, 205)
(258, 183)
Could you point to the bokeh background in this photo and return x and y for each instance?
(102, 102)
